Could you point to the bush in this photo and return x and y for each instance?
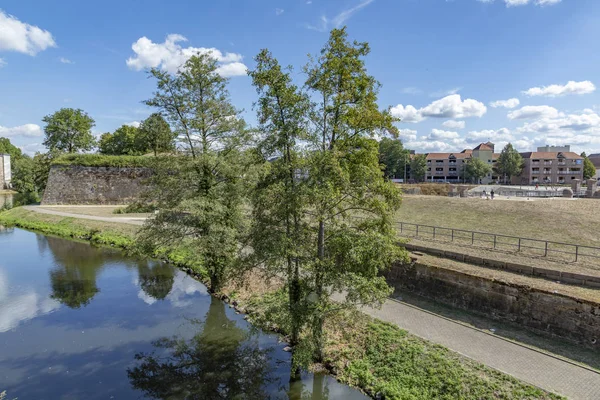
(101, 160)
(136, 208)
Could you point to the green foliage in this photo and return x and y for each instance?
(393, 156)
(510, 162)
(418, 167)
(124, 141)
(101, 160)
(136, 208)
(196, 102)
(69, 130)
(476, 169)
(30, 176)
(589, 170)
(6, 147)
(155, 134)
(200, 194)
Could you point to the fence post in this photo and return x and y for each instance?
(401, 226)
(546, 250)
(434, 232)
(452, 230)
(519, 245)
(576, 253)
(472, 237)
(494, 241)
(417, 234)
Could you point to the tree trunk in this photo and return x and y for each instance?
(318, 317)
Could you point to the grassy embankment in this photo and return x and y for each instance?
(372, 355)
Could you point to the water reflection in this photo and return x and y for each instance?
(156, 279)
(222, 361)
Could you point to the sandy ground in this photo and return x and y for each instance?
(97, 211)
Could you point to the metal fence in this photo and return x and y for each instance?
(510, 244)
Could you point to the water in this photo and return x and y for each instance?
(78, 322)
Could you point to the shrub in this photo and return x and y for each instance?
(101, 160)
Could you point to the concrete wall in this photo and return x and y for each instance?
(94, 185)
(5, 172)
(548, 313)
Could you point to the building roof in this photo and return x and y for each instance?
(483, 147)
(551, 155)
(495, 156)
(445, 156)
(595, 160)
(467, 151)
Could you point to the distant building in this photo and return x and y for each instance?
(554, 149)
(541, 167)
(595, 159)
(449, 167)
(5, 175)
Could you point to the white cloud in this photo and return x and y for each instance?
(443, 93)
(279, 11)
(453, 107)
(27, 130)
(411, 90)
(533, 112)
(21, 37)
(572, 87)
(546, 2)
(406, 114)
(407, 135)
(32, 148)
(500, 135)
(438, 134)
(510, 103)
(135, 124)
(2, 63)
(325, 24)
(448, 107)
(452, 124)
(574, 123)
(65, 60)
(169, 56)
(514, 3)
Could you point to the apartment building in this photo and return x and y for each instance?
(595, 159)
(543, 167)
(449, 167)
(5, 175)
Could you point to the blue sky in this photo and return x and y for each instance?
(457, 72)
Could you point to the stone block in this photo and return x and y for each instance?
(548, 273)
(518, 268)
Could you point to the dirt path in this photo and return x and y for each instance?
(123, 220)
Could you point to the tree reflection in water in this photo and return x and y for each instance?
(221, 362)
(73, 280)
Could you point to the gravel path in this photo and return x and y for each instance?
(122, 220)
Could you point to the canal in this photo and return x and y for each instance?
(79, 322)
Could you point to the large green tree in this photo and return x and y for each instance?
(589, 170)
(69, 130)
(124, 141)
(510, 162)
(200, 193)
(476, 169)
(155, 134)
(393, 156)
(354, 238)
(418, 167)
(6, 147)
(30, 176)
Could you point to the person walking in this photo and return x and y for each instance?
(492, 193)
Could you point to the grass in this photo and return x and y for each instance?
(101, 160)
(388, 362)
(570, 221)
(377, 357)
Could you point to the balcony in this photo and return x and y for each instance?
(535, 163)
(562, 163)
(547, 162)
(569, 172)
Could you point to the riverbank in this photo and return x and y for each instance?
(364, 352)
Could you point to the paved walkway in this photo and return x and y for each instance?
(122, 220)
(539, 369)
(536, 368)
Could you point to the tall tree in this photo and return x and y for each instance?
(6, 147)
(279, 232)
(418, 167)
(69, 130)
(510, 162)
(589, 170)
(199, 194)
(155, 134)
(393, 156)
(124, 141)
(475, 170)
(352, 205)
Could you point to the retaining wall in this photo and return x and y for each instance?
(548, 313)
(94, 185)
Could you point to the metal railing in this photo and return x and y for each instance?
(510, 244)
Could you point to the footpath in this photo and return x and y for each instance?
(540, 369)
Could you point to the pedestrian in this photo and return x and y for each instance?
(492, 193)
(484, 194)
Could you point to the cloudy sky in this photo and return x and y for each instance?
(457, 72)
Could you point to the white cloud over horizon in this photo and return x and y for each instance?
(27, 130)
(572, 87)
(448, 107)
(510, 103)
(533, 112)
(452, 124)
(170, 56)
(325, 23)
(22, 37)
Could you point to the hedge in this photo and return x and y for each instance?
(101, 160)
